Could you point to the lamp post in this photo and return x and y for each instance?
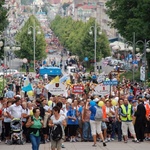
(134, 44)
(95, 28)
(8, 46)
(34, 38)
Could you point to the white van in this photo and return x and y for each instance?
(71, 70)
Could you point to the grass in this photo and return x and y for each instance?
(23, 69)
(129, 75)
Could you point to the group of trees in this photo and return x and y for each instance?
(74, 35)
(130, 16)
(27, 42)
(3, 22)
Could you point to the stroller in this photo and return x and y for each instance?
(16, 132)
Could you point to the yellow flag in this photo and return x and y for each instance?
(55, 80)
(68, 82)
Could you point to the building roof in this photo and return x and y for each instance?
(78, 5)
(55, 1)
(87, 6)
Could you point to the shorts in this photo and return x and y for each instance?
(103, 126)
(127, 125)
(56, 144)
(95, 127)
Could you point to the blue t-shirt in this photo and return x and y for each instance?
(72, 113)
(130, 97)
(93, 112)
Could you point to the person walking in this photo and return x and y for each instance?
(57, 120)
(140, 120)
(34, 124)
(95, 124)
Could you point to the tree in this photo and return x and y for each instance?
(77, 39)
(3, 21)
(130, 16)
(26, 41)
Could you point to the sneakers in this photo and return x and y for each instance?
(62, 146)
(125, 141)
(6, 141)
(71, 140)
(104, 144)
(94, 145)
(136, 141)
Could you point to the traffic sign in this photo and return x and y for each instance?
(110, 82)
(77, 89)
(102, 90)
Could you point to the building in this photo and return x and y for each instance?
(84, 9)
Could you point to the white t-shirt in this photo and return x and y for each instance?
(6, 119)
(25, 111)
(62, 112)
(59, 121)
(15, 110)
(46, 107)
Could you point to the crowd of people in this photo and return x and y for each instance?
(120, 117)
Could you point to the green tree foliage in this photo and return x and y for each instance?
(74, 35)
(27, 43)
(130, 16)
(3, 21)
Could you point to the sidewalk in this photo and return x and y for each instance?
(83, 146)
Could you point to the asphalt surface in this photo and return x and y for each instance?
(83, 146)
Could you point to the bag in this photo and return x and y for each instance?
(99, 114)
(56, 132)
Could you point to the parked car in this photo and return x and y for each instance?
(18, 75)
(10, 72)
(108, 58)
(113, 62)
(51, 51)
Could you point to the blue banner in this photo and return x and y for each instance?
(110, 82)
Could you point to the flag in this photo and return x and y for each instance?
(68, 81)
(55, 80)
(27, 85)
(64, 78)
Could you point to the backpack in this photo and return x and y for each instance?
(99, 114)
(56, 132)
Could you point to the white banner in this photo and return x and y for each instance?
(102, 90)
(142, 73)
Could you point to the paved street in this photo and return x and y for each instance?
(84, 146)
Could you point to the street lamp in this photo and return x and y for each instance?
(135, 43)
(34, 38)
(95, 28)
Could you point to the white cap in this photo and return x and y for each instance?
(69, 100)
(96, 100)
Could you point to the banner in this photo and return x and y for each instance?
(142, 73)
